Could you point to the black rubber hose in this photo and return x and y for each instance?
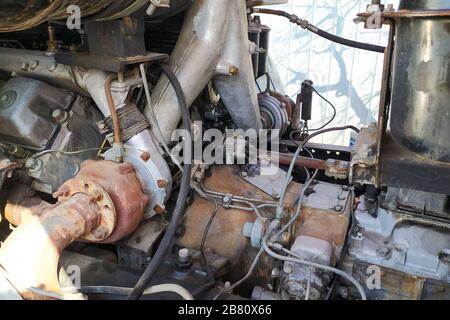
(167, 241)
(347, 42)
(306, 25)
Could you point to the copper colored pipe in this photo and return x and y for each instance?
(286, 159)
(112, 108)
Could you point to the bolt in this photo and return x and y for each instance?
(345, 188)
(3, 98)
(244, 174)
(338, 208)
(159, 210)
(226, 199)
(52, 66)
(275, 273)
(326, 279)
(233, 70)
(34, 64)
(287, 269)
(162, 183)
(183, 255)
(145, 156)
(60, 116)
(384, 252)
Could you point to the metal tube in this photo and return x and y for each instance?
(31, 253)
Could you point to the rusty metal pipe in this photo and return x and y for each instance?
(286, 159)
(31, 253)
(112, 108)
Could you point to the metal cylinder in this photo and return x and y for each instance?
(420, 116)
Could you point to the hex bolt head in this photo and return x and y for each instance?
(60, 116)
(183, 255)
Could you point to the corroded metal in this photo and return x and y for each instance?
(103, 203)
(32, 251)
(125, 189)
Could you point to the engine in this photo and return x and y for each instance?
(139, 160)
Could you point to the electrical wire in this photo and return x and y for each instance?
(332, 106)
(153, 120)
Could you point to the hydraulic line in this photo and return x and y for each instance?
(308, 26)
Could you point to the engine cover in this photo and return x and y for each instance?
(26, 107)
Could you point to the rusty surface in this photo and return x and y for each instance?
(22, 204)
(123, 186)
(228, 223)
(32, 251)
(333, 168)
(410, 14)
(97, 195)
(325, 225)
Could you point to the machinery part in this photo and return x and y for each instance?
(306, 25)
(27, 14)
(26, 107)
(303, 281)
(420, 117)
(425, 5)
(273, 113)
(419, 202)
(117, 38)
(306, 100)
(153, 170)
(212, 45)
(405, 246)
(31, 252)
(177, 215)
(107, 210)
(112, 109)
(149, 173)
(77, 140)
(123, 186)
(90, 207)
(131, 120)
